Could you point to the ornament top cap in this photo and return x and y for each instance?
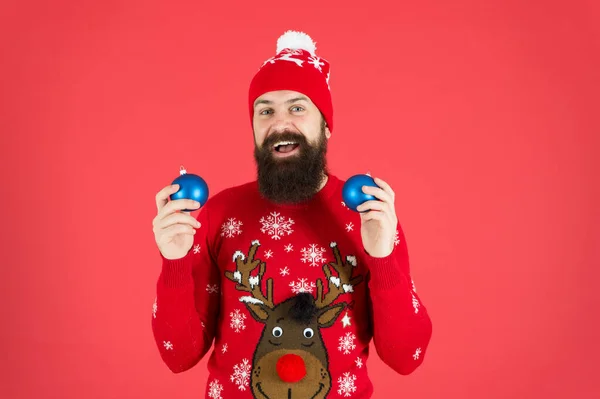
(182, 170)
(296, 41)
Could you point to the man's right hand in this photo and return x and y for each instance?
(174, 228)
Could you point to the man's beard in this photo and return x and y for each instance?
(293, 179)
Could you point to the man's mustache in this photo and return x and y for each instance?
(284, 136)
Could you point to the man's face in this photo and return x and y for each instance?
(290, 139)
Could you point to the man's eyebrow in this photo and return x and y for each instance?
(296, 99)
(291, 100)
(262, 102)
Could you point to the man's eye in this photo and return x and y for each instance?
(298, 108)
(264, 112)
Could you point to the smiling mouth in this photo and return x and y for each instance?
(285, 148)
(289, 395)
(321, 386)
(261, 391)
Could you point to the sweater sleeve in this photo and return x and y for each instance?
(402, 327)
(186, 307)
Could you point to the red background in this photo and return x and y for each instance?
(483, 117)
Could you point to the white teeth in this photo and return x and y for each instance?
(283, 143)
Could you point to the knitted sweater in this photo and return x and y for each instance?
(290, 299)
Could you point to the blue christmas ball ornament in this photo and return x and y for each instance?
(352, 191)
(192, 187)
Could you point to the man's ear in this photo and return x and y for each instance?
(327, 132)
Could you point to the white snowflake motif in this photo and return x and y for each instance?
(285, 271)
(313, 254)
(271, 60)
(285, 56)
(316, 61)
(417, 353)
(289, 248)
(154, 308)
(241, 374)
(344, 205)
(291, 51)
(288, 57)
(196, 248)
(413, 286)
(328, 73)
(215, 389)
(397, 238)
(168, 345)
(212, 289)
(276, 226)
(231, 228)
(346, 384)
(237, 321)
(359, 362)
(302, 285)
(415, 303)
(347, 343)
(224, 348)
(350, 227)
(268, 254)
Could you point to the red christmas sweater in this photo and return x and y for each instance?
(290, 299)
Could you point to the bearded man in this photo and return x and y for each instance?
(287, 283)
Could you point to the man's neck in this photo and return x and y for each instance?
(323, 182)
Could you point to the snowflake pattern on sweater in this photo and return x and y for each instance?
(294, 298)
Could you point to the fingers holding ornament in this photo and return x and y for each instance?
(385, 198)
(375, 206)
(379, 194)
(386, 187)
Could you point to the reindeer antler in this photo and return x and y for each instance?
(337, 285)
(245, 282)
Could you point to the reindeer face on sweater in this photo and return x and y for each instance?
(290, 360)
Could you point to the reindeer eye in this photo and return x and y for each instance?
(308, 333)
(277, 332)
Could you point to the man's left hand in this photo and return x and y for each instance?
(378, 224)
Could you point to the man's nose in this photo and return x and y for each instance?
(281, 125)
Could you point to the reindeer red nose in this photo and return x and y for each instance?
(291, 368)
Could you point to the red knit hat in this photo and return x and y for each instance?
(295, 67)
